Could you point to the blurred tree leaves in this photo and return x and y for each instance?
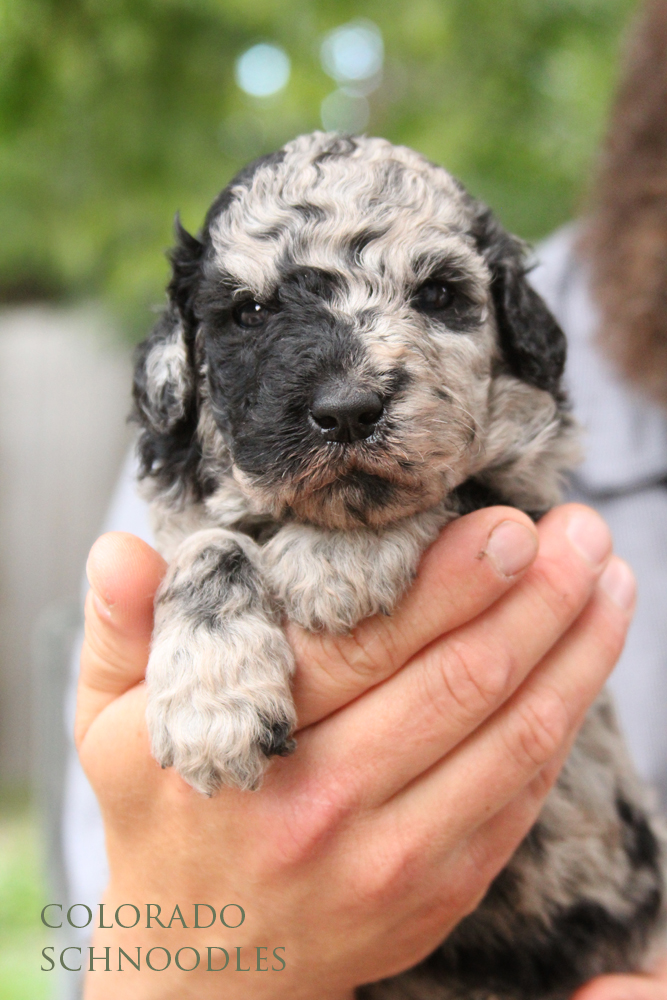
(116, 113)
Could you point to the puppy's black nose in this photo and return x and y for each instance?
(346, 413)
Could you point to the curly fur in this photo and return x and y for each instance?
(350, 358)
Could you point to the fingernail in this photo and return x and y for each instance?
(102, 608)
(618, 582)
(590, 536)
(511, 547)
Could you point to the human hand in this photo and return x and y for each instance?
(650, 986)
(428, 743)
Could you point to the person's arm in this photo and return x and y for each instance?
(428, 742)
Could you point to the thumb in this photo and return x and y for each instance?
(124, 573)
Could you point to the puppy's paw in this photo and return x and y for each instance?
(318, 587)
(333, 579)
(219, 703)
(332, 604)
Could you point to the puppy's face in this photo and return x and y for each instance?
(334, 335)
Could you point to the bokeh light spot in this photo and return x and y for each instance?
(353, 52)
(262, 70)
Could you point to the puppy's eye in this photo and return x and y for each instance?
(251, 314)
(433, 296)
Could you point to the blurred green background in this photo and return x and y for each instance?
(22, 896)
(116, 113)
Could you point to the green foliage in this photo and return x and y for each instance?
(22, 896)
(116, 113)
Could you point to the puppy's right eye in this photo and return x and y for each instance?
(434, 296)
(251, 314)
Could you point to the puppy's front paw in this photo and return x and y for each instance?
(318, 584)
(333, 579)
(219, 705)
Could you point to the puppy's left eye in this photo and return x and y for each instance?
(433, 296)
(251, 314)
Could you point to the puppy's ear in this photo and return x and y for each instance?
(531, 340)
(186, 260)
(164, 375)
(164, 379)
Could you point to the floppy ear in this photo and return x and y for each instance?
(163, 374)
(164, 369)
(531, 340)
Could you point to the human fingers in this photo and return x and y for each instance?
(475, 560)
(124, 573)
(398, 730)
(648, 986)
(487, 770)
(476, 860)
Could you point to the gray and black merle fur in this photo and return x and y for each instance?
(350, 358)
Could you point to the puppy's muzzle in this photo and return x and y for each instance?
(346, 413)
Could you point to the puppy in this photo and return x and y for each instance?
(352, 357)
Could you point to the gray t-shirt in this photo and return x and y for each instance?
(624, 476)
